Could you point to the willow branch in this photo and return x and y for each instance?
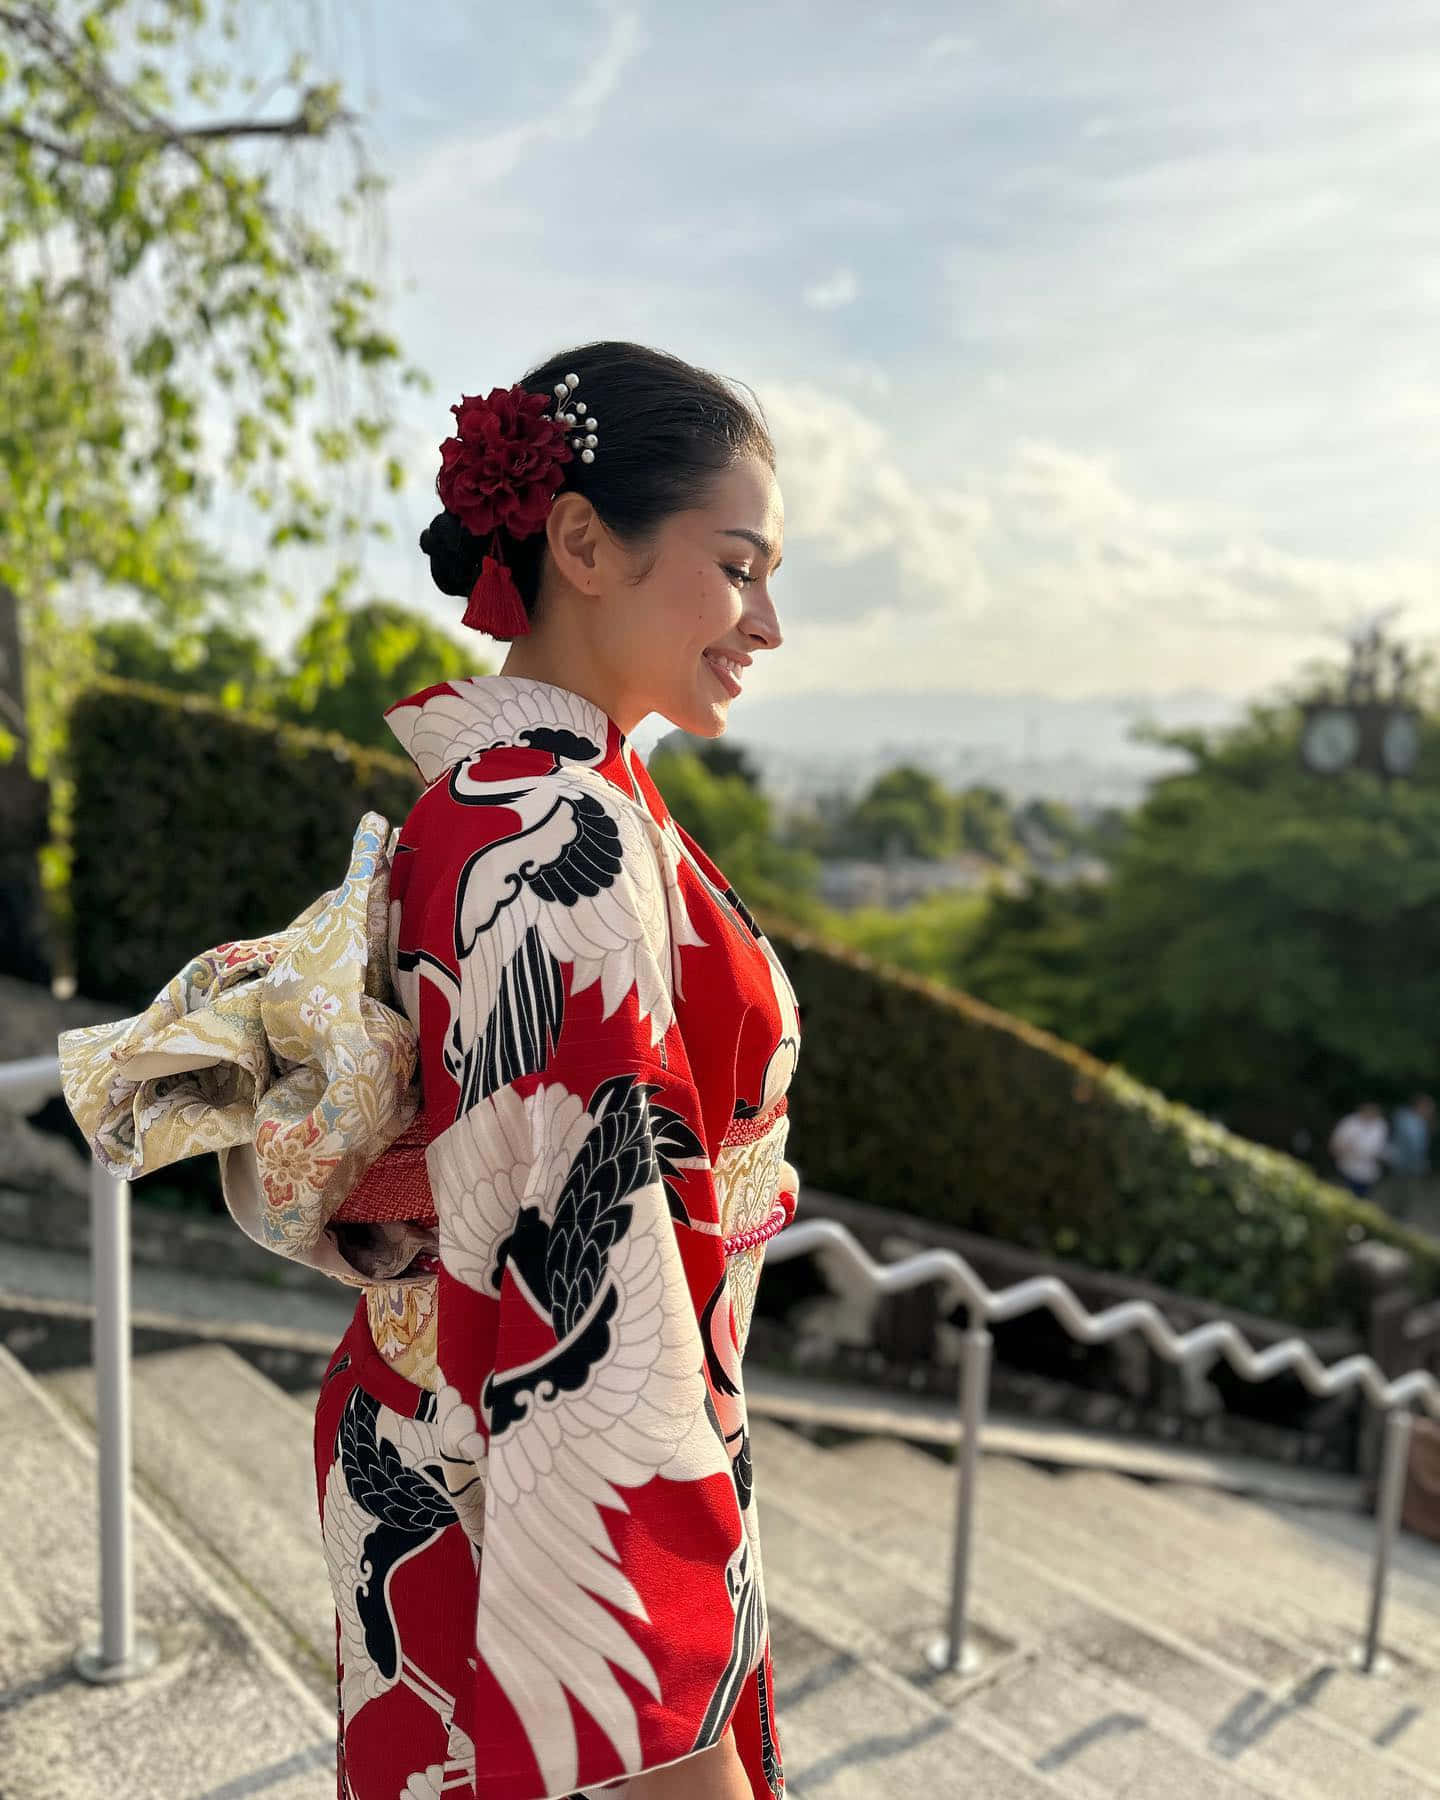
(121, 106)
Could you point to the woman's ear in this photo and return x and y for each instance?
(574, 536)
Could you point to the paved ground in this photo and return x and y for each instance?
(1145, 1639)
(220, 1717)
(58, 1275)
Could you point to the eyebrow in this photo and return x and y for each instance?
(762, 544)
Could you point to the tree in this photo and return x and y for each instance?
(983, 823)
(720, 755)
(350, 664)
(1269, 943)
(931, 938)
(905, 810)
(219, 661)
(732, 823)
(342, 672)
(1030, 953)
(165, 312)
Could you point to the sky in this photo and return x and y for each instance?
(1099, 339)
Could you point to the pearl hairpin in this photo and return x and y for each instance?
(584, 440)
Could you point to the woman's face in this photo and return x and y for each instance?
(684, 632)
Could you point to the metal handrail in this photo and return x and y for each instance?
(26, 1084)
(119, 1655)
(1195, 1349)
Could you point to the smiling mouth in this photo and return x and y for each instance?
(725, 671)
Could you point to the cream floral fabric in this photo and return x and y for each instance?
(287, 1055)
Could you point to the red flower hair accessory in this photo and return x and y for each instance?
(502, 470)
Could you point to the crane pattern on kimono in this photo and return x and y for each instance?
(385, 1500)
(542, 894)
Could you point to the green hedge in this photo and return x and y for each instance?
(910, 1095)
(194, 824)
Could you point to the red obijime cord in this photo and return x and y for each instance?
(781, 1214)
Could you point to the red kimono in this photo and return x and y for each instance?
(532, 1451)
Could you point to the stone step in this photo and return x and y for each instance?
(1304, 1586)
(1295, 1539)
(220, 1714)
(853, 1731)
(1303, 1583)
(1288, 1548)
(866, 1613)
(1099, 1741)
(1259, 1563)
(1023, 1510)
(1256, 1605)
(225, 1457)
(853, 1588)
(1349, 1538)
(1266, 1734)
(806, 1400)
(1237, 1597)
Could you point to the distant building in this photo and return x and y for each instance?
(848, 883)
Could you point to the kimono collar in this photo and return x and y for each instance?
(443, 725)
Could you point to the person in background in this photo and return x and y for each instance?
(1407, 1155)
(1358, 1145)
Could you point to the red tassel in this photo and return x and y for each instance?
(495, 604)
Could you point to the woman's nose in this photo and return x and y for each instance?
(762, 625)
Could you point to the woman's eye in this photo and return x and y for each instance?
(742, 576)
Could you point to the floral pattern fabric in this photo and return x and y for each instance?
(287, 1055)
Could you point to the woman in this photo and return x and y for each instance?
(531, 1446)
(605, 1043)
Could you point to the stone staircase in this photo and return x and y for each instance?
(1160, 1642)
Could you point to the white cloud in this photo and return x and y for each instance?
(485, 159)
(1044, 572)
(882, 540)
(1137, 379)
(1057, 493)
(839, 289)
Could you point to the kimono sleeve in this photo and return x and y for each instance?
(618, 1613)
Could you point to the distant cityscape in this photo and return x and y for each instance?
(1029, 746)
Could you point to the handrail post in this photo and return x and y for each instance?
(118, 1656)
(952, 1652)
(1394, 1462)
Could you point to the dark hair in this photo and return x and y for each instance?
(666, 430)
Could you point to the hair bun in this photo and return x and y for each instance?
(455, 554)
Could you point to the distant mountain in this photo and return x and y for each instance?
(1080, 751)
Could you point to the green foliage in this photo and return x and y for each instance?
(345, 668)
(351, 663)
(914, 1097)
(1031, 953)
(166, 313)
(219, 662)
(931, 938)
(1269, 945)
(1027, 953)
(720, 755)
(905, 810)
(731, 821)
(982, 821)
(195, 823)
(1057, 824)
